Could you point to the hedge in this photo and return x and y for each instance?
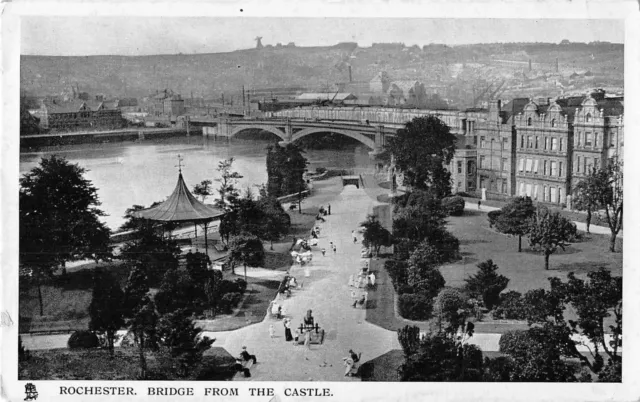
(415, 306)
(83, 340)
(454, 206)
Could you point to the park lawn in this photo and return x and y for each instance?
(65, 300)
(95, 364)
(525, 270)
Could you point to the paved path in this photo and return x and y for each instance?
(580, 225)
(326, 292)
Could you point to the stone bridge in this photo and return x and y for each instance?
(290, 130)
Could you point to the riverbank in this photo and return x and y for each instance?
(84, 137)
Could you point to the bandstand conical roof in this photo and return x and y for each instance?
(180, 206)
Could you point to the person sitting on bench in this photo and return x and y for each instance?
(351, 362)
(361, 302)
(246, 356)
(320, 218)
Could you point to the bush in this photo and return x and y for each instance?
(454, 206)
(83, 340)
(511, 306)
(398, 272)
(241, 285)
(415, 306)
(450, 307)
(229, 301)
(493, 217)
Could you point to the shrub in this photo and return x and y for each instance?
(454, 206)
(241, 285)
(493, 217)
(229, 301)
(83, 340)
(398, 272)
(511, 307)
(487, 284)
(415, 306)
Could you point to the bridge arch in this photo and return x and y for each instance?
(353, 134)
(270, 129)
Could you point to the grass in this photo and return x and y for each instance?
(525, 270)
(95, 364)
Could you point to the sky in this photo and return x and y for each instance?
(70, 36)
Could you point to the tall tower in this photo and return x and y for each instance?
(258, 40)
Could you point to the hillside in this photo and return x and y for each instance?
(471, 73)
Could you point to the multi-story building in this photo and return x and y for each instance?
(75, 114)
(542, 148)
(496, 147)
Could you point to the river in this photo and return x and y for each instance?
(140, 173)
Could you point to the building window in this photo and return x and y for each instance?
(459, 185)
(529, 190)
(554, 168)
(482, 162)
(505, 144)
(587, 139)
(544, 166)
(554, 144)
(522, 141)
(553, 122)
(529, 165)
(584, 165)
(470, 168)
(588, 117)
(578, 164)
(545, 194)
(482, 181)
(529, 121)
(521, 189)
(561, 144)
(504, 186)
(596, 163)
(529, 142)
(560, 169)
(535, 192)
(537, 139)
(595, 140)
(521, 164)
(535, 166)
(482, 143)
(505, 164)
(612, 140)
(554, 194)
(546, 143)
(459, 166)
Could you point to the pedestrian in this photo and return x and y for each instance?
(323, 251)
(329, 208)
(479, 203)
(287, 330)
(334, 249)
(272, 331)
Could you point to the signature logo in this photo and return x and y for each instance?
(31, 392)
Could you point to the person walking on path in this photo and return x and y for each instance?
(323, 251)
(355, 237)
(329, 209)
(334, 249)
(479, 204)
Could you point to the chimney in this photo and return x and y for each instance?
(350, 77)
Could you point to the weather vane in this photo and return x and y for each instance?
(179, 165)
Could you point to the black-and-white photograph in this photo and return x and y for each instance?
(320, 199)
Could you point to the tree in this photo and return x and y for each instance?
(514, 218)
(586, 195)
(440, 358)
(487, 284)
(450, 308)
(150, 250)
(423, 273)
(106, 307)
(248, 250)
(179, 292)
(212, 289)
(59, 219)
(537, 356)
(135, 290)
(198, 267)
(548, 231)
(409, 338)
(375, 235)
(178, 333)
(285, 170)
(611, 185)
(143, 325)
(228, 180)
(422, 149)
(203, 189)
(276, 221)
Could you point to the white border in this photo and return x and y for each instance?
(14, 390)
